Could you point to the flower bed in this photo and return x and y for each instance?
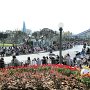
(45, 77)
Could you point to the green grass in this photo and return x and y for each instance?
(5, 45)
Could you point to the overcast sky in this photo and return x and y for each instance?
(38, 14)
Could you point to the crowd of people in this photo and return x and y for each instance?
(26, 49)
(81, 58)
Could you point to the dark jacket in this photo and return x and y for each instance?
(2, 64)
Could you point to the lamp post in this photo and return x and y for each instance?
(3, 39)
(29, 37)
(42, 41)
(60, 42)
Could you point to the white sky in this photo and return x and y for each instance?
(38, 14)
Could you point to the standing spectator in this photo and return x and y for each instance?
(2, 52)
(15, 62)
(74, 61)
(57, 59)
(68, 59)
(84, 46)
(44, 60)
(48, 60)
(39, 62)
(2, 64)
(88, 51)
(28, 61)
(88, 61)
(83, 52)
(53, 60)
(34, 61)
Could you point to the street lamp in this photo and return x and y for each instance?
(29, 37)
(60, 42)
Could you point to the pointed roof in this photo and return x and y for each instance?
(24, 27)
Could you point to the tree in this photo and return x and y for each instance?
(36, 35)
(3, 36)
(45, 34)
(18, 37)
(67, 35)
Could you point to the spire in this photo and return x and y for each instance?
(24, 27)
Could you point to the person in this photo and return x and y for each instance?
(88, 51)
(83, 52)
(34, 61)
(14, 61)
(68, 59)
(48, 60)
(79, 62)
(2, 52)
(2, 64)
(50, 49)
(88, 62)
(44, 60)
(84, 46)
(78, 55)
(28, 61)
(74, 61)
(85, 61)
(57, 59)
(52, 60)
(39, 62)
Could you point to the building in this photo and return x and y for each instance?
(28, 31)
(24, 28)
(85, 34)
(82, 35)
(9, 31)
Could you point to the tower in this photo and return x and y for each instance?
(24, 27)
